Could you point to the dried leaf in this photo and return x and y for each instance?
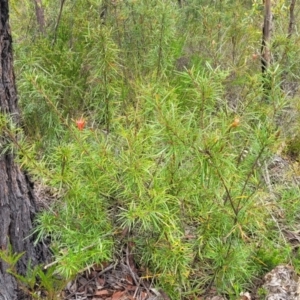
(101, 281)
(131, 288)
(117, 295)
(103, 293)
(82, 281)
(143, 295)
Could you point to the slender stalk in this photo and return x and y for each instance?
(62, 2)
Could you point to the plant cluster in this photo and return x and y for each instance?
(152, 119)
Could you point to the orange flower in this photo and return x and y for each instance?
(235, 123)
(80, 124)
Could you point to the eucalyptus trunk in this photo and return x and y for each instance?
(17, 200)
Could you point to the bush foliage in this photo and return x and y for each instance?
(177, 137)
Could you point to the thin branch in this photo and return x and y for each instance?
(62, 2)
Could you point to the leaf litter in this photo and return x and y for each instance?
(120, 280)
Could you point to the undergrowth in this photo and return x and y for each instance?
(177, 133)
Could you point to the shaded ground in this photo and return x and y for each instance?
(119, 281)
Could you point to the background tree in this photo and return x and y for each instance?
(267, 28)
(40, 16)
(17, 201)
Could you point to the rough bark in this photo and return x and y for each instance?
(40, 16)
(17, 201)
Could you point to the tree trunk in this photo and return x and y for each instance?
(17, 201)
(266, 38)
(40, 17)
(181, 3)
(292, 18)
(288, 87)
(265, 49)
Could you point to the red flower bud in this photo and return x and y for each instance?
(80, 123)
